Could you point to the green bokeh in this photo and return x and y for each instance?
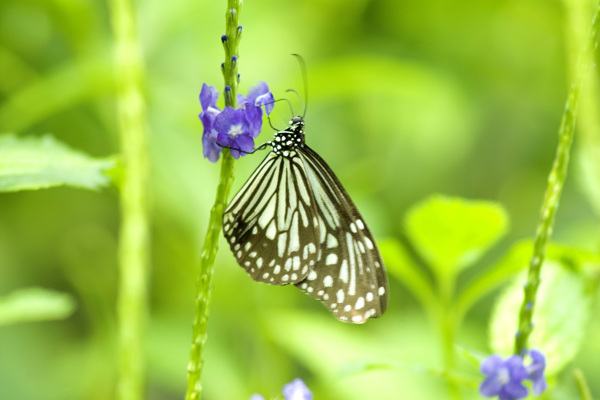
(406, 99)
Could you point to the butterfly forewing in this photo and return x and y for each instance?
(349, 278)
(270, 224)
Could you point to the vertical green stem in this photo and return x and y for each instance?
(447, 325)
(582, 386)
(134, 233)
(211, 243)
(555, 184)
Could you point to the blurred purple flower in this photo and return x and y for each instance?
(504, 378)
(233, 128)
(295, 390)
(535, 372)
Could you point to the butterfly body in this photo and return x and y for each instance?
(293, 222)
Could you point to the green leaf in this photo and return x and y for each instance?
(401, 265)
(562, 310)
(31, 163)
(35, 304)
(451, 233)
(514, 261)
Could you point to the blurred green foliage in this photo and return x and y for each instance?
(405, 99)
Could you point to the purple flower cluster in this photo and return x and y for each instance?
(295, 390)
(505, 376)
(233, 128)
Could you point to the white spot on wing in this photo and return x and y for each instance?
(328, 281)
(340, 296)
(294, 235)
(267, 214)
(282, 244)
(344, 271)
(271, 231)
(332, 242)
(331, 259)
(360, 303)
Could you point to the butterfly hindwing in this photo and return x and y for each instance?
(349, 277)
(267, 223)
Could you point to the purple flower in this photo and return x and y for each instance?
(208, 101)
(258, 95)
(231, 128)
(504, 378)
(297, 390)
(234, 131)
(535, 372)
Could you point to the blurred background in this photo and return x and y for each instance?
(406, 99)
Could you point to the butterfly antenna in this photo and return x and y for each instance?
(301, 101)
(305, 79)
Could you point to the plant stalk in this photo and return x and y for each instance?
(556, 182)
(211, 243)
(134, 237)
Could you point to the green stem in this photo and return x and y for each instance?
(584, 389)
(211, 242)
(556, 181)
(447, 325)
(134, 240)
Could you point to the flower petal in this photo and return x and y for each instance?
(491, 364)
(490, 387)
(536, 369)
(207, 121)
(241, 101)
(256, 396)
(227, 118)
(253, 117)
(515, 389)
(244, 143)
(516, 369)
(267, 100)
(210, 148)
(297, 390)
(257, 90)
(208, 97)
(539, 385)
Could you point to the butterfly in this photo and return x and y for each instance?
(293, 223)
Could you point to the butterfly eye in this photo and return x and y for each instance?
(293, 222)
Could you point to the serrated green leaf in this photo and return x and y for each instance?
(35, 304)
(30, 163)
(562, 310)
(451, 233)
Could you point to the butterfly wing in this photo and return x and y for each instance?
(349, 276)
(270, 224)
